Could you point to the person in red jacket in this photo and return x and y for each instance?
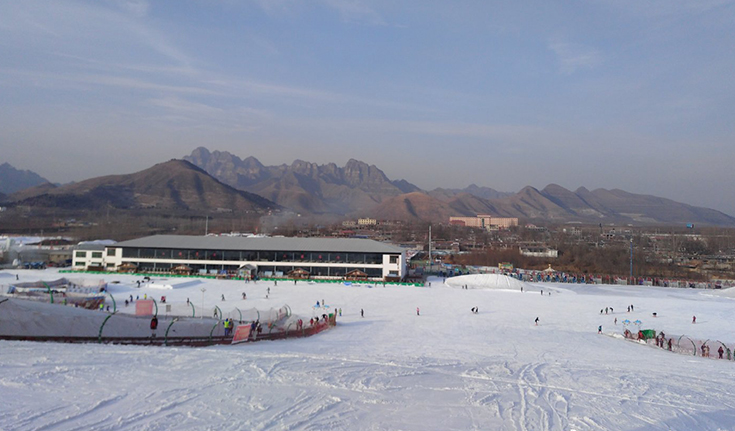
(154, 322)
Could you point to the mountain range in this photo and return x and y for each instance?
(173, 185)
(13, 180)
(359, 189)
(220, 181)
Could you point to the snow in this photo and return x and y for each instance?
(447, 369)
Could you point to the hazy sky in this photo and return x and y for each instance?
(637, 95)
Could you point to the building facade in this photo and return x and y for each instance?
(485, 221)
(262, 256)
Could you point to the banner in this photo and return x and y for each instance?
(242, 333)
(144, 307)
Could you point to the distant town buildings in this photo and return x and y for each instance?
(485, 221)
(539, 251)
(367, 222)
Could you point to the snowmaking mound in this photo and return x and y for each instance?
(486, 281)
(725, 293)
(172, 284)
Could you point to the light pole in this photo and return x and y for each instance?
(201, 313)
(631, 258)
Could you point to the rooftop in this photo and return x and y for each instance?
(344, 245)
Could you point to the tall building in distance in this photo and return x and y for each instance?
(485, 221)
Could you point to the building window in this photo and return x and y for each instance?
(81, 254)
(79, 264)
(96, 255)
(110, 265)
(393, 259)
(111, 251)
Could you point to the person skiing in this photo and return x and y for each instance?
(669, 344)
(694, 319)
(536, 321)
(362, 313)
(417, 311)
(616, 320)
(154, 322)
(223, 297)
(720, 351)
(599, 329)
(605, 310)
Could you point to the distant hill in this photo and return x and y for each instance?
(556, 204)
(13, 180)
(304, 186)
(175, 184)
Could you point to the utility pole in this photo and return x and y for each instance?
(431, 262)
(206, 227)
(631, 258)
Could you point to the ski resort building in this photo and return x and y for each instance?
(250, 256)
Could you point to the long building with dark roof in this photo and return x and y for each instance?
(250, 256)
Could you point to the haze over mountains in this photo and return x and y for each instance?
(220, 181)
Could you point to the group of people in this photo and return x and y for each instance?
(475, 309)
(606, 309)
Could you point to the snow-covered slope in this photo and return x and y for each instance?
(447, 369)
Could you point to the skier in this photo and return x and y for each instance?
(154, 322)
(244, 295)
(417, 311)
(269, 290)
(536, 321)
(521, 288)
(542, 292)
(669, 344)
(616, 320)
(611, 310)
(632, 308)
(694, 319)
(223, 297)
(605, 310)
(629, 309)
(599, 329)
(720, 351)
(362, 313)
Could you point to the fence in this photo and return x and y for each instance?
(34, 321)
(684, 345)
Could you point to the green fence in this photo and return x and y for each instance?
(214, 277)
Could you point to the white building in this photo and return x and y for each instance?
(264, 256)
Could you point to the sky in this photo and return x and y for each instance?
(635, 95)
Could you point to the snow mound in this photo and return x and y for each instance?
(176, 284)
(486, 281)
(725, 293)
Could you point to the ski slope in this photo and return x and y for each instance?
(447, 369)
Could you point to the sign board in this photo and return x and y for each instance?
(242, 333)
(144, 307)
